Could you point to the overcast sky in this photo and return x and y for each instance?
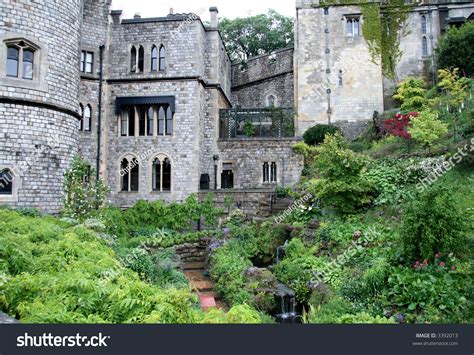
(227, 8)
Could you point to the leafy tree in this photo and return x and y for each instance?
(427, 128)
(455, 49)
(315, 135)
(431, 224)
(341, 185)
(260, 34)
(454, 86)
(83, 193)
(411, 93)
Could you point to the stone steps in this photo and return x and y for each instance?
(202, 285)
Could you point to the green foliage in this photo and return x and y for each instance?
(455, 88)
(140, 261)
(298, 267)
(249, 129)
(427, 129)
(241, 314)
(432, 223)
(228, 270)
(316, 134)
(340, 185)
(382, 28)
(261, 34)
(83, 193)
(58, 274)
(411, 94)
(438, 293)
(166, 273)
(455, 49)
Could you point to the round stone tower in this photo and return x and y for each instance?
(39, 88)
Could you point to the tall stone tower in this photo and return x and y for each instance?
(39, 88)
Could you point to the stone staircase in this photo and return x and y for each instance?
(280, 205)
(202, 284)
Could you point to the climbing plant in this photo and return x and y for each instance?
(382, 28)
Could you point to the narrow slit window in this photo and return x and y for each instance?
(166, 175)
(162, 58)
(156, 184)
(424, 44)
(266, 172)
(134, 175)
(150, 124)
(161, 121)
(89, 63)
(87, 118)
(133, 60)
(423, 24)
(124, 123)
(273, 172)
(154, 59)
(141, 59)
(131, 121)
(142, 121)
(169, 122)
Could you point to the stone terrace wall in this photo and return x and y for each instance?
(248, 155)
(265, 75)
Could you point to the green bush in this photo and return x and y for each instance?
(228, 267)
(411, 94)
(316, 134)
(140, 261)
(432, 223)
(455, 49)
(417, 292)
(341, 185)
(57, 274)
(241, 314)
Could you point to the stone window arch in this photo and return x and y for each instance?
(129, 173)
(353, 26)
(141, 59)
(270, 172)
(162, 62)
(154, 58)
(81, 109)
(271, 101)
(9, 185)
(423, 24)
(161, 173)
(424, 46)
(133, 59)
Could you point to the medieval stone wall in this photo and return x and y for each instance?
(263, 76)
(38, 117)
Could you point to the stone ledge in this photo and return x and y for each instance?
(5, 319)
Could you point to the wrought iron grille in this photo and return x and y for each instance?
(259, 122)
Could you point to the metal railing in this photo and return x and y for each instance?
(258, 122)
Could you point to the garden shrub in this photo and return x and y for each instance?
(411, 94)
(432, 223)
(56, 274)
(341, 185)
(84, 194)
(415, 292)
(316, 134)
(455, 49)
(427, 128)
(241, 314)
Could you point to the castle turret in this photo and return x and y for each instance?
(39, 88)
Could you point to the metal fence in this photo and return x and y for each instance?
(260, 122)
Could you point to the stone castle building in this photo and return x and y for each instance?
(159, 111)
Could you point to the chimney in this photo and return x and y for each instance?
(213, 10)
(171, 11)
(137, 16)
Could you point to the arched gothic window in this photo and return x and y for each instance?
(424, 46)
(129, 174)
(154, 59)
(162, 58)
(423, 24)
(6, 182)
(141, 59)
(161, 179)
(133, 60)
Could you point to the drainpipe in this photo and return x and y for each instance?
(99, 121)
(433, 69)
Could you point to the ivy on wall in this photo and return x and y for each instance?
(383, 26)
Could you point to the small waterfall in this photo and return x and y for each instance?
(280, 252)
(287, 305)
